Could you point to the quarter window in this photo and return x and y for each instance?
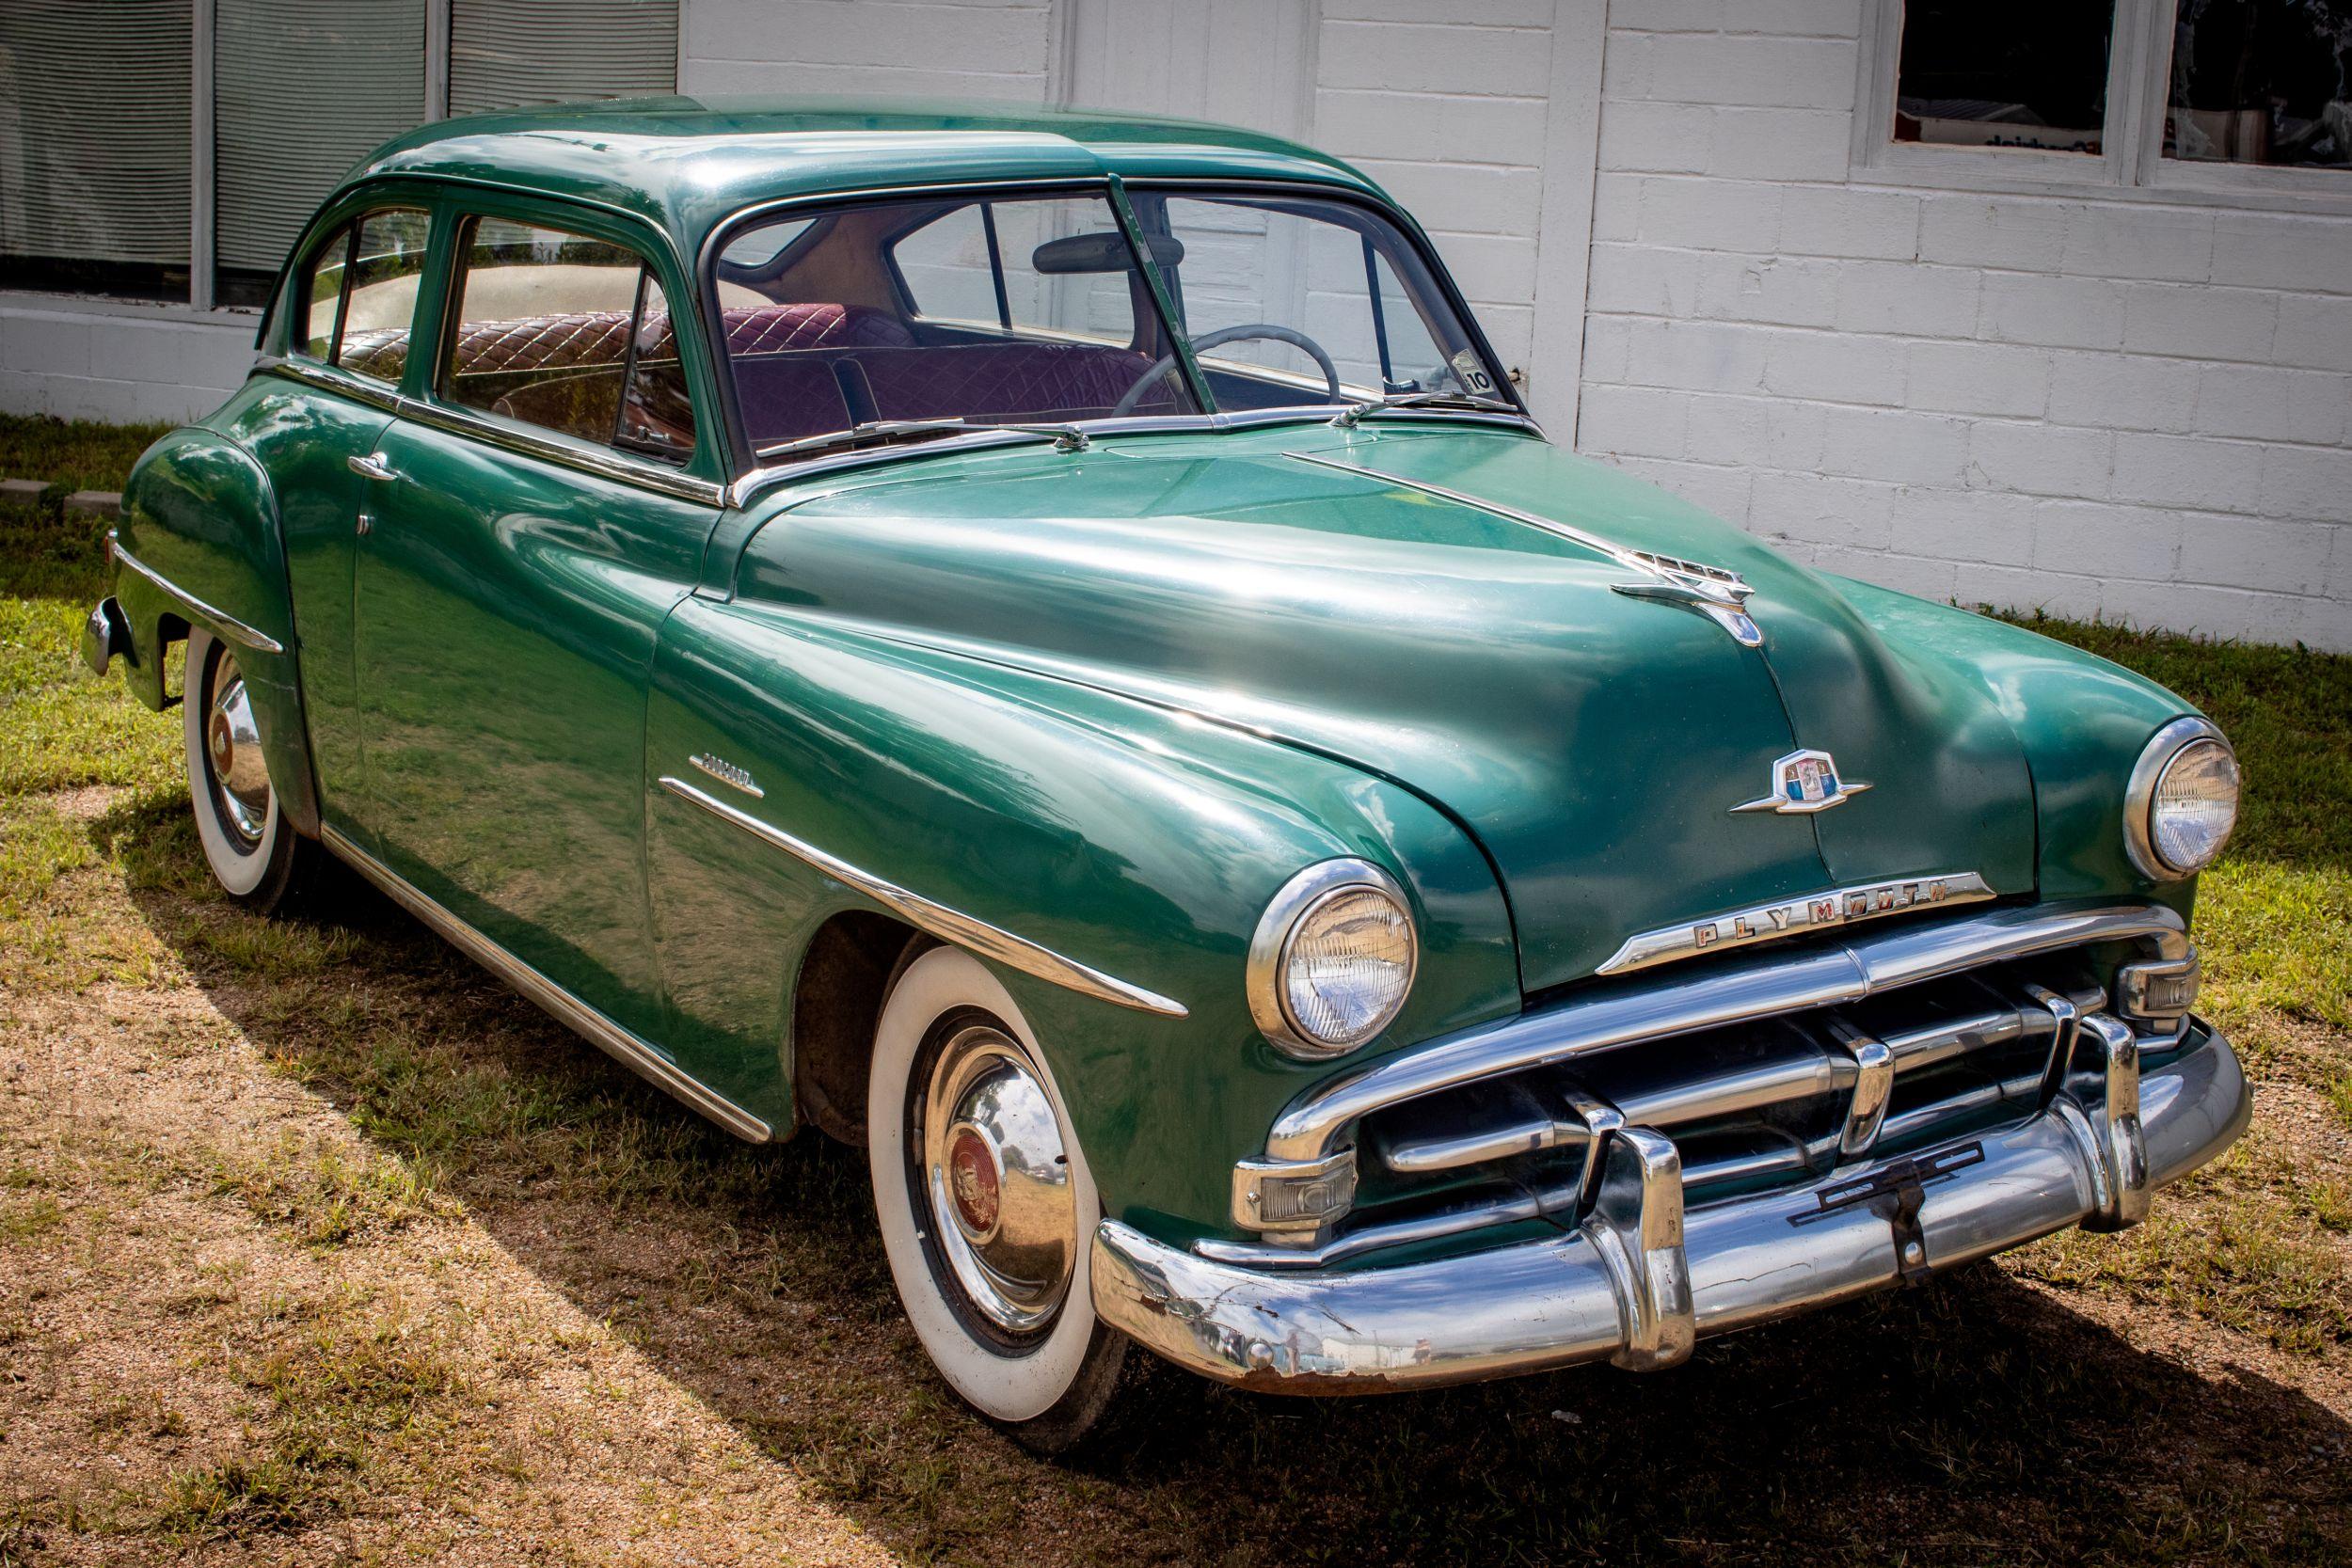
(571, 334)
(360, 293)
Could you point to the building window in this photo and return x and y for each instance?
(114, 179)
(2004, 74)
(2262, 82)
(95, 147)
(2185, 94)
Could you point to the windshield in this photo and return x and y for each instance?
(890, 319)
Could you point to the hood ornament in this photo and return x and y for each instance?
(1719, 595)
(1802, 784)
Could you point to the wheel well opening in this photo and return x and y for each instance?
(836, 1003)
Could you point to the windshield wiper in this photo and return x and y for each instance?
(1355, 412)
(1066, 437)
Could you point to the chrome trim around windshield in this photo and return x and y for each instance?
(603, 461)
(1795, 917)
(1758, 985)
(639, 1057)
(219, 622)
(953, 926)
(749, 486)
(1715, 593)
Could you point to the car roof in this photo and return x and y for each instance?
(689, 164)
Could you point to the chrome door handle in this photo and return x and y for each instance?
(371, 466)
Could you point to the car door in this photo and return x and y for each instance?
(355, 295)
(534, 516)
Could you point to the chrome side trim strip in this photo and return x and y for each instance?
(1718, 594)
(949, 924)
(328, 379)
(614, 1041)
(1759, 987)
(1795, 917)
(218, 622)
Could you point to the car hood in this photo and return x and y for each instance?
(1304, 584)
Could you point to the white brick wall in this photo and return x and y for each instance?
(947, 48)
(96, 360)
(2118, 407)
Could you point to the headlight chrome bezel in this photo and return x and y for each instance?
(2165, 748)
(1270, 949)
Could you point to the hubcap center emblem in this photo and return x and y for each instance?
(972, 1179)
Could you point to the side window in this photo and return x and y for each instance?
(569, 333)
(323, 296)
(360, 293)
(947, 270)
(1049, 267)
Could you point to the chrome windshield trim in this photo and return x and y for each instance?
(949, 924)
(1718, 594)
(771, 476)
(639, 1057)
(1313, 1125)
(218, 622)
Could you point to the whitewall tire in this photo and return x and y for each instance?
(254, 853)
(986, 1206)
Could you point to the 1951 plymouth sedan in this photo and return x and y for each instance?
(1050, 648)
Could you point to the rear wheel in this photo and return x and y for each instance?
(254, 853)
(986, 1206)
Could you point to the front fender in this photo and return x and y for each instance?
(2081, 720)
(1139, 842)
(200, 530)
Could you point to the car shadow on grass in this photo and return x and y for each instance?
(1981, 1420)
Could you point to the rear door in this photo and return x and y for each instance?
(537, 517)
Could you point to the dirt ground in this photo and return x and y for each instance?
(318, 1247)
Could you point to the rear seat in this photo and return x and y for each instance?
(806, 370)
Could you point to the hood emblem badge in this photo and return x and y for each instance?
(1803, 916)
(1802, 784)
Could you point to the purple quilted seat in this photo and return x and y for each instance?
(1006, 381)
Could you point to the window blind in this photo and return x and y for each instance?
(506, 53)
(303, 89)
(94, 133)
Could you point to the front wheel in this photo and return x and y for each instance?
(986, 1206)
(254, 853)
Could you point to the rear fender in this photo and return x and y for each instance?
(198, 546)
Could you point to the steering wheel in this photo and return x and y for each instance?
(1299, 341)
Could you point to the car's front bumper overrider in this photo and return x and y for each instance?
(1638, 1281)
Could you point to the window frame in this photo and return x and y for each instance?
(2130, 165)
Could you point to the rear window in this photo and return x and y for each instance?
(360, 293)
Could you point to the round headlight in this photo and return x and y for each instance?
(1332, 960)
(2183, 801)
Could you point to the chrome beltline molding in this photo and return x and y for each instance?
(216, 621)
(634, 1053)
(600, 461)
(1314, 1123)
(1717, 594)
(952, 925)
(1793, 917)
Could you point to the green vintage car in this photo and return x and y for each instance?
(1050, 648)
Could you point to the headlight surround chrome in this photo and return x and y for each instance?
(2183, 801)
(1311, 925)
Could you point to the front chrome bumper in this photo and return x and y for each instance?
(1638, 1281)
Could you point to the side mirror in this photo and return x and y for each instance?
(1103, 251)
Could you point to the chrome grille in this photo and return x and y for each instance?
(1775, 1070)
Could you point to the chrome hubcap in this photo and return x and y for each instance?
(233, 749)
(997, 1180)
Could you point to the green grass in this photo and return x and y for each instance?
(74, 454)
(1984, 1420)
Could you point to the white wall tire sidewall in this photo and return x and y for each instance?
(239, 873)
(1009, 1389)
